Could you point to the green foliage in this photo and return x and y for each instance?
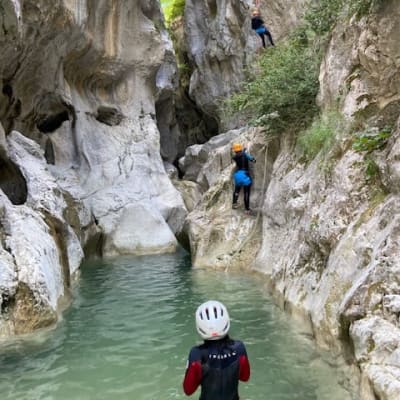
(371, 139)
(371, 170)
(282, 93)
(172, 9)
(368, 141)
(363, 7)
(320, 136)
(323, 14)
(184, 74)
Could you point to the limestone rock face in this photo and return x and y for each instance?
(377, 346)
(39, 251)
(200, 163)
(220, 44)
(361, 65)
(281, 16)
(219, 236)
(81, 81)
(330, 234)
(330, 250)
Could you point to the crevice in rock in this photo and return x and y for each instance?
(188, 126)
(345, 339)
(12, 182)
(10, 107)
(109, 116)
(49, 152)
(59, 233)
(90, 235)
(94, 246)
(212, 6)
(6, 303)
(179, 169)
(71, 213)
(7, 90)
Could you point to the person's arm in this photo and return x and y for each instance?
(244, 368)
(193, 374)
(244, 364)
(250, 158)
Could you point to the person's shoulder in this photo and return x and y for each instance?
(239, 346)
(195, 353)
(197, 347)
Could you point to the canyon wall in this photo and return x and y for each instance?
(80, 151)
(329, 242)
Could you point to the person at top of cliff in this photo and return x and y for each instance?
(219, 363)
(257, 24)
(241, 176)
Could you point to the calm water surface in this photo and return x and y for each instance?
(131, 326)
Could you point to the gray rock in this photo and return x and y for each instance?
(219, 236)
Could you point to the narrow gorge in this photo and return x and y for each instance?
(115, 140)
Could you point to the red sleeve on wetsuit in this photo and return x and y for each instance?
(244, 369)
(192, 378)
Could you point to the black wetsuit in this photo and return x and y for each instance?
(217, 365)
(258, 25)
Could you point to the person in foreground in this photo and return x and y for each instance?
(220, 362)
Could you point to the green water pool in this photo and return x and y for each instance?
(130, 327)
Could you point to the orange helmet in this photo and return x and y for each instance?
(236, 147)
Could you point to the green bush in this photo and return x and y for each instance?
(371, 139)
(368, 141)
(173, 9)
(321, 135)
(363, 7)
(322, 15)
(371, 170)
(281, 95)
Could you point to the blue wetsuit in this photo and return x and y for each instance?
(257, 24)
(242, 177)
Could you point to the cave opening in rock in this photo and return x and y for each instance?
(109, 116)
(12, 182)
(50, 123)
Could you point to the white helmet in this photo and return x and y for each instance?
(212, 320)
